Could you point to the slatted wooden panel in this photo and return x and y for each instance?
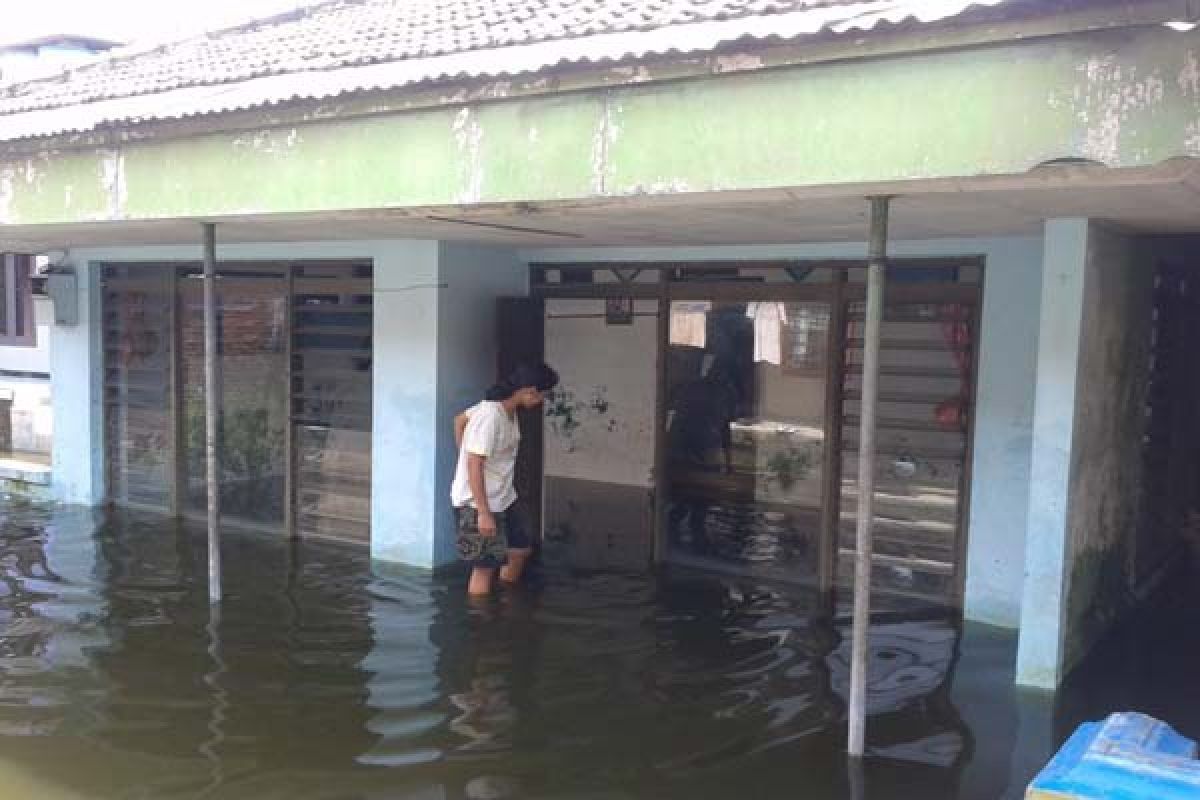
(137, 311)
(925, 404)
(331, 399)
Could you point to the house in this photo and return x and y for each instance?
(26, 418)
(667, 201)
(26, 421)
(40, 56)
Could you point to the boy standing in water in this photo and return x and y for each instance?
(491, 533)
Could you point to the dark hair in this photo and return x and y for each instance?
(539, 376)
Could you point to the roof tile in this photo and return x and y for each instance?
(367, 32)
(345, 46)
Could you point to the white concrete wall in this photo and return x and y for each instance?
(1083, 504)
(1039, 654)
(76, 372)
(32, 415)
(999, 498)
(404, 488)
(601, 426)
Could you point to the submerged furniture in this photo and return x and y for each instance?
(1126, 757)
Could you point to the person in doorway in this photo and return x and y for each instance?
(491, 533)
(700, 444)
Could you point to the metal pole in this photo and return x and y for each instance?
(211, 411)
(876, 259)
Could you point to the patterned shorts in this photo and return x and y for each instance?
(488, 552)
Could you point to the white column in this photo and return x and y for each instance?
(1040, 653)
(404, 441)
(435, 354)
(76, 381)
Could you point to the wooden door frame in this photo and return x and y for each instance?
(839, 293)
(174, 270)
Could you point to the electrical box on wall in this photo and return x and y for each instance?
(64, 293)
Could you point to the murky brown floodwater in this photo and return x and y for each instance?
(320, 681)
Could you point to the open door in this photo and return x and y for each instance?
(520, 332)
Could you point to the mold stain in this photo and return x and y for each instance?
(563, 414)
(469, 135)
(569, 417)
(1109, 94)
(1189, 76)
(600, 400)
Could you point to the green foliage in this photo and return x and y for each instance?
(791, 465)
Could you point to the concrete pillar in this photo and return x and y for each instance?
(1040, 651)
(1003, 433)
(435, 354)
(472, 279)
(1089, 423)
(404, 396)
(77, 397)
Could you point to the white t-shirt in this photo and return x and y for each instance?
(493, 434)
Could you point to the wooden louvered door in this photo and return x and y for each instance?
(926, 404)
(251, 395)
(331, 400)
(139, 379)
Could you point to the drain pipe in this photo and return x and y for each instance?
(211, 411)
(876, 261)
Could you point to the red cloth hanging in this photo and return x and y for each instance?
(956, 330)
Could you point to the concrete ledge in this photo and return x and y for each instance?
(18, 471)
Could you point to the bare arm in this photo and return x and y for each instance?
(487, 523)
(460, 427)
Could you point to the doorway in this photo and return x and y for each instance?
(744, 434)
(708, 418)
(294, 364)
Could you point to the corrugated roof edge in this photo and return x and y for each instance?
(490, 63)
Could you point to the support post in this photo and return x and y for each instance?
(876, 260)
(211, 411)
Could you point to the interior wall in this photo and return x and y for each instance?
(600, 426)
(598, 505)
(999, 498)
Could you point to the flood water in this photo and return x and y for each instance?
(320, 680)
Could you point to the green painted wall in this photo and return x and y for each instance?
(1126, 98)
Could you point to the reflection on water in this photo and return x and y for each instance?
(320, 681)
